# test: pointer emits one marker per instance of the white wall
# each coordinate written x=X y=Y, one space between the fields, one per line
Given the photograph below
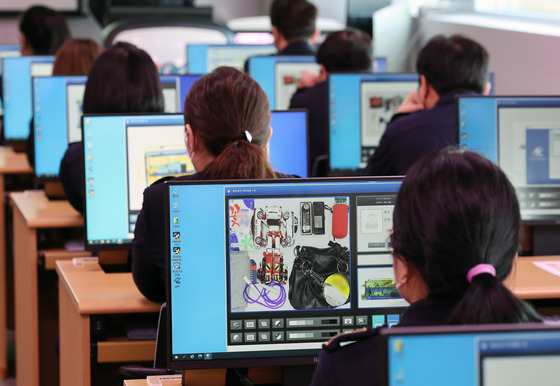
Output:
x=524 y=62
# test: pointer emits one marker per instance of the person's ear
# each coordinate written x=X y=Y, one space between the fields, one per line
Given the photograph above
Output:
x=313 y=39
x=190 y=140
x=487 y=89
x=323 y=75
x=401 y=270
x=423 y=90
x=24 y=47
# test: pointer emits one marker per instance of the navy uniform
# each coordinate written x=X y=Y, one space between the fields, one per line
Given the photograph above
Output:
x=410 y=137
x=355 y=358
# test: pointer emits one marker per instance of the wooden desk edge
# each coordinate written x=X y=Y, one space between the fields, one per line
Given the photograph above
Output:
x=138 y=305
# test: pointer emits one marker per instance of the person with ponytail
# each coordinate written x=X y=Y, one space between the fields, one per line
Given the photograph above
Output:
x=227 y=122
x=456 y=233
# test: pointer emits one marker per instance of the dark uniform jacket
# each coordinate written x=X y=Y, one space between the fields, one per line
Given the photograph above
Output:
x=410 y=137
x=360 y=361
x=72 y=175
x=316 y=100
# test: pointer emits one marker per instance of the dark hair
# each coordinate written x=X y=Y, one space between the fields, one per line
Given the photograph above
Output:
x=44 y=29
x=346 y=50
x=76 y=57
x=294 y=19
x=220 y=107
x=453 y=63
x=123 y=79
x=453 y=211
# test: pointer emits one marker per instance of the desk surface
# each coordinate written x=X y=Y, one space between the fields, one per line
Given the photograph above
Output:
x=527 y=281
x=12 y=162
x=40 y=212
x=93 y=291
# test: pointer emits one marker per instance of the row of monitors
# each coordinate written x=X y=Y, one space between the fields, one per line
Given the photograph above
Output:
x=57 y=112
x=203 y=58
x=123 y=154
x=254 y=310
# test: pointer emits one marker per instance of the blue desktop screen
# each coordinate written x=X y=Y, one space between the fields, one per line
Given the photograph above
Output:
x=123 y=155
x=360 y=106
x=8 y=50
x=203 y=58
x=57 y=106
x=16 y=93
x=522 y=135
x=232 y=248
x=512 y=358
x=288 y=147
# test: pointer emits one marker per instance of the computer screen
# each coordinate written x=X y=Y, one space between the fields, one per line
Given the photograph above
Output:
x=264 y=272
x=288 y=150
x=278 y=76
x=360 y=106
x=175 y=89
x=483 y=355
x=16 y=93
x=57 y=102
x=522 y=135
x=8 y=51
x=57 y=112
x=203 y=58
x=123 y=154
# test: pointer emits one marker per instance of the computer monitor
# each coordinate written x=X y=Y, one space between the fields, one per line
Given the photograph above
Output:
x=263 y=272
x=203 y=58
x=288 y=150
x=471 y=355
x=126 y=153
x=522 y=135
x=123 y=154
x=57 y=113
x=278 y=76
x=175 y=89
x=16 y=93
x=57 y=102
x=360 y=106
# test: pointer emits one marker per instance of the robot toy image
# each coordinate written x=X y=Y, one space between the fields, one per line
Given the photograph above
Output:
x=273 y=229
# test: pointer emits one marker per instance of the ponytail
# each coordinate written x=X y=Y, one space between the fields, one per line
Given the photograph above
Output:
x=241 y=159
x=487 y=301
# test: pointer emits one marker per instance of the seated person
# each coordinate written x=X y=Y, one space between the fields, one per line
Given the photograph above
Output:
x=293 y=26
x=448 y=66
x=42 y=31
x=347 y=50
x=225 y=145
x=123 y=79
x=456 y=233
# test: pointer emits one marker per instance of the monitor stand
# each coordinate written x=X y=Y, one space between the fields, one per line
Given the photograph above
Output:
x=546 y=240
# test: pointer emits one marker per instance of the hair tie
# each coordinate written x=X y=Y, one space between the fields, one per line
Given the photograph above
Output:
x=480 y=268
x=246 y=136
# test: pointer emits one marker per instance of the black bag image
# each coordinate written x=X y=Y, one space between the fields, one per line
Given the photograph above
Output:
x=319 y=277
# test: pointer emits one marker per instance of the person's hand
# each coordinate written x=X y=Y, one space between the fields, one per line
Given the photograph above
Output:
x=410 y=104
x=308 y=79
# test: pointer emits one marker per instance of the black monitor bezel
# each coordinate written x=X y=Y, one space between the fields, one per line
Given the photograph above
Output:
x=244 y=362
